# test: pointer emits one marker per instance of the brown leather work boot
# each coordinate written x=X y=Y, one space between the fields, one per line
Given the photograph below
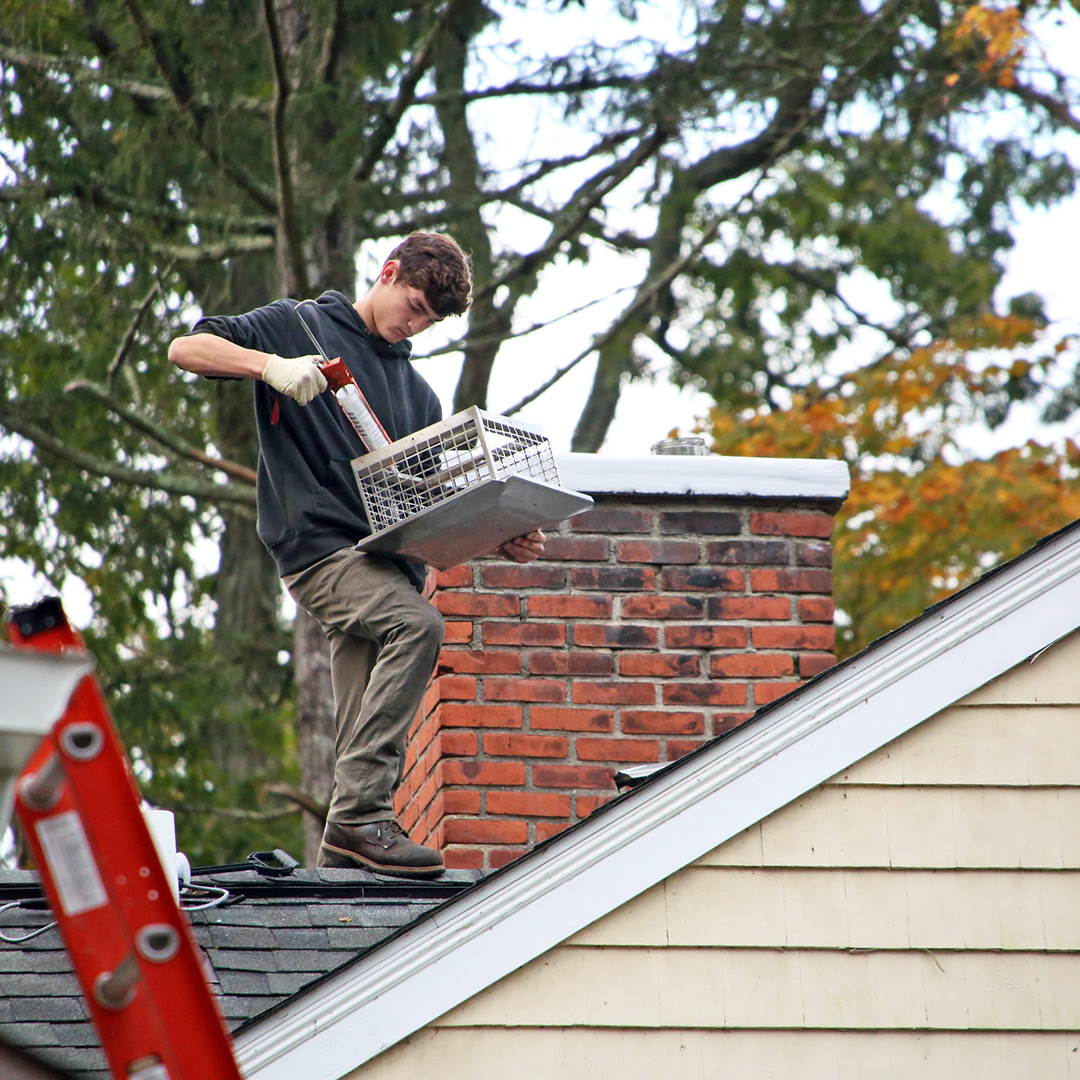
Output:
x=381 y=846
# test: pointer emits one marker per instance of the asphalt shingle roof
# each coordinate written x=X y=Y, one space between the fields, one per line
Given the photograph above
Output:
x=271 y=937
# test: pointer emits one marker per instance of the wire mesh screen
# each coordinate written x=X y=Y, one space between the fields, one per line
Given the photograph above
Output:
x=428 y=468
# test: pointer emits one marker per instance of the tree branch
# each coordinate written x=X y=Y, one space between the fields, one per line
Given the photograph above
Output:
x=578 y=208
x=302 y=799
x=12 y=420
x=121 y=353
x=290 y=249
x=391 y=117
x=202 y=253
x=168 y=63
x=642 y=299
x=167 y=439
x=1057 y=108
x=79 y=72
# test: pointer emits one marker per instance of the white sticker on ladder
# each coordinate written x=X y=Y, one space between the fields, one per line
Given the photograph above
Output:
x=71 y=863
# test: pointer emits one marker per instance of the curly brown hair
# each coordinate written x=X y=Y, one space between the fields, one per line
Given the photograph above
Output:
x=436 y=264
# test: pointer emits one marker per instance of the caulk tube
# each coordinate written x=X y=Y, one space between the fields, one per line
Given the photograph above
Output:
x=350 y=396
x=354 y=404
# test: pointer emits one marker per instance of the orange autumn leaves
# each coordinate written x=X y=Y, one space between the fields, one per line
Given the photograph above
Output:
x=925 y=516
x=1001 y=33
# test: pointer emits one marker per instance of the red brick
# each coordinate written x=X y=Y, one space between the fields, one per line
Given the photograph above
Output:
x=528 y=803
x=702 y=579
x=545 y=830
x=658 y=551
x=748 y=552
x=432 y=697
x=659 y=665
x=655 y=722
x=618 y=750
x=502 y=856
x=817 y=609
x=821 y=638
x=501 y=744
x=457 y=577
x=477 y=662
x=816 y=581
x=458 y=858
x=484 y=605
x=753 y=608
x=456 y=688
x=408 y=817
x=764 y=692
x=524 y=690
x=814 y=553
x=462 y=802
x=662 y=607
x=751 y=666
x=458 y=743
x=811 y=664
x=533 y=576
x=615 y=692
x=572 y=776
x=480 y=716
x=577 y=548
x=608 y=519
x=705 y=637
x=570 y=607
x=427 y=793
x=677 y=748
x=700 y=523
x=585 y=804
x=613 y=578
x=492 y=773
x=485 y=831
x=715 y=693
x=419 y=742
x=722 y=722
x=458 y=633
x=615 y=636
x=436 y=810
x=545 y=635
x=791 y=523
x=571 y=663
x=542 y=718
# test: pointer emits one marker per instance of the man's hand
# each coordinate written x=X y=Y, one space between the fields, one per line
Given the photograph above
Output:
x=296 y=376
x=523 y=549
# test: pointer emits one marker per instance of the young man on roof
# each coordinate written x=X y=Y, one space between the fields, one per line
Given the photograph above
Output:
x=384 y=636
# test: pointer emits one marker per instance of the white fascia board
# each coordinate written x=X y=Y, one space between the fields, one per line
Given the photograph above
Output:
x=736 y=477
x=814 y=733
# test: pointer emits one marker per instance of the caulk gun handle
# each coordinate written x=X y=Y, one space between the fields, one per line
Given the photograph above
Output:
x=336 y=373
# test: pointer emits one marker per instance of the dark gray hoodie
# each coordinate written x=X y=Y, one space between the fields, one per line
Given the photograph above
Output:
x=308 y=501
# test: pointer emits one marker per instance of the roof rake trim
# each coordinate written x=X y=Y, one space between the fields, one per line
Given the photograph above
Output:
x=786 y=750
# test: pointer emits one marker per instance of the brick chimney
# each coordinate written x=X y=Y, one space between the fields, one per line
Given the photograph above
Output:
x=695 y=590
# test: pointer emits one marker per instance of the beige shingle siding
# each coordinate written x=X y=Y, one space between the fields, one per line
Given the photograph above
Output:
x=915 y=916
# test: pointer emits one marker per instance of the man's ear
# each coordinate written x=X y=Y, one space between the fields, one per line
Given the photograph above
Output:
x=389 y=271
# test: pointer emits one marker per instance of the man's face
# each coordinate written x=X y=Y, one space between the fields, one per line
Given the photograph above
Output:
x=400 y=311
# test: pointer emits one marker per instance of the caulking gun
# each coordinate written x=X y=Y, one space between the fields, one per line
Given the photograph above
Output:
x=350 y=397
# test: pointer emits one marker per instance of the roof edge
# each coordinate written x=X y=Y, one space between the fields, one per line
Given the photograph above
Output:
x=796 y=744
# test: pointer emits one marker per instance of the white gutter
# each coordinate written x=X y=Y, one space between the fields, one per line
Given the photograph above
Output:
x=814 y=733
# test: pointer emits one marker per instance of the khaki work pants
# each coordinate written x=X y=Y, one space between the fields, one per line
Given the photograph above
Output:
x=384 y=641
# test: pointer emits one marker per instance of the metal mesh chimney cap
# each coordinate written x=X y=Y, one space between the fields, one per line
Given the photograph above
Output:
x=687 y=446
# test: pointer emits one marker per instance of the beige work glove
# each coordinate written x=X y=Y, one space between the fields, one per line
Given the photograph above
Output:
x=296 y=376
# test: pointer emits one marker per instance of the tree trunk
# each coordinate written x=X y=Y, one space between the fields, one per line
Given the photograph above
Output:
x=315 y=727
x=599 y=411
